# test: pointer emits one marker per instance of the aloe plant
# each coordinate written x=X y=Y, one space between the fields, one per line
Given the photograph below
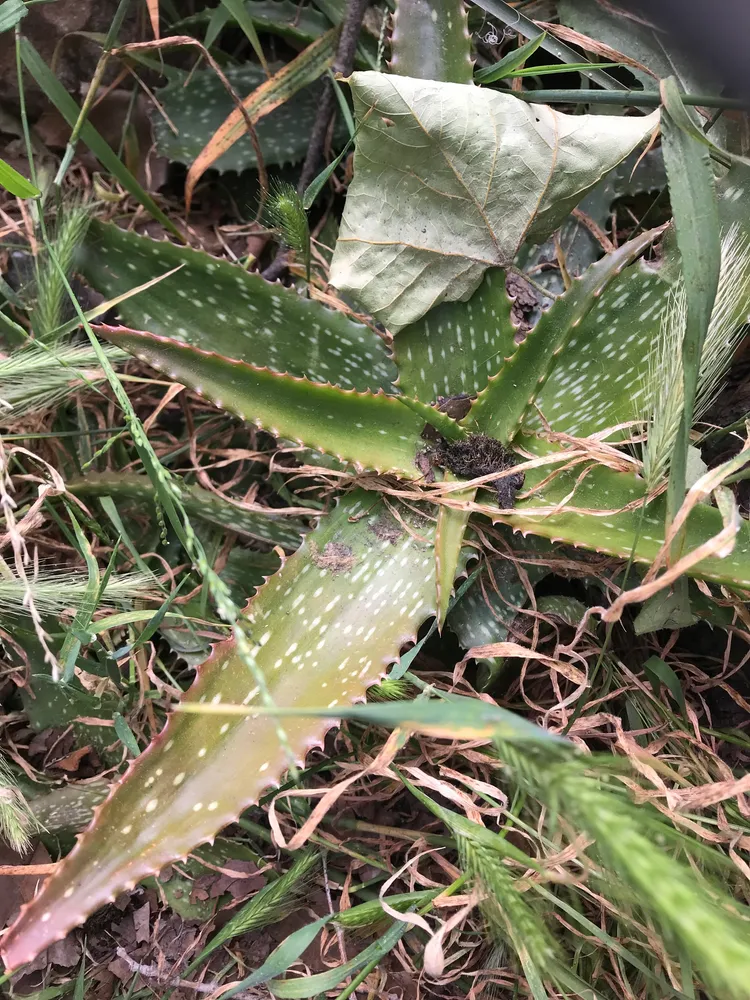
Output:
x=328 y=623
x=194 y=106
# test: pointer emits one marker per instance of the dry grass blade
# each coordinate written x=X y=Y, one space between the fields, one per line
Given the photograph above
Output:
x=566 y=34
x=310 y=64
x=153 y=13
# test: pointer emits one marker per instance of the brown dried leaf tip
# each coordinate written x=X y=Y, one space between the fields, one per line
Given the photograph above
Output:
x=479 y=455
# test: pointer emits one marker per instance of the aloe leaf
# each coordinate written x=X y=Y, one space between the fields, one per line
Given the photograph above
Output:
x=199 y=104
x=639 y=173
x=500 y=408
x=485 y=613
x=439 y=419
x=212 y=304
x=629 y=532
x=431 y=41
x=458 y=345
x=303 y=70
x=200 y=503
x=49 y=704
x=451 y=179
x=367 y=430
x=324 y=628
x=449 y=539
x=599 y=379
x=67 y=809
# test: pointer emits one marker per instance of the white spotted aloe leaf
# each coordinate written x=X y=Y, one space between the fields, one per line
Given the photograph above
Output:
x=457 y=346
x=193 y=106
x=262 y=524
x=368 y=430
x=583 y=366
x=600 y=523
x=215 y=305
x=323 y=629
x=501 y=406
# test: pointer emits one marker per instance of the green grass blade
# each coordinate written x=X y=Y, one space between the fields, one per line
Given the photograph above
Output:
x=237 y=9
x=450 y=717
x=526 y=27
x=273 y=902
x=313 y=986
x=72 y=645
x=282 y=957
x=14 y=182
x=696 y=219
x=11 y=12
x=632 y=98
x=505 y=66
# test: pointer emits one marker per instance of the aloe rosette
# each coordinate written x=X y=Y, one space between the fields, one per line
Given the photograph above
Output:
x=360 y=585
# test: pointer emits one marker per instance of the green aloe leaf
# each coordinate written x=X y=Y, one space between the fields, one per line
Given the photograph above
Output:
x=199 y=104
x=500 y=408
x=439 y=419
x=200 y=503
x=212 y=304
x=451 y=179
x=54 y=704
x=620 y=534
x=639 y=173
x=485 y=613
x=430 y=40
x=367 y=430
x=599 y=379
x=324 y=628
x=458 y=345
x=449 y=540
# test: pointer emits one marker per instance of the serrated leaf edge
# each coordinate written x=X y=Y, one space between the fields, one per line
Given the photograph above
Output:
x=322 y=726
x=146 y=336
x=198 y=252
